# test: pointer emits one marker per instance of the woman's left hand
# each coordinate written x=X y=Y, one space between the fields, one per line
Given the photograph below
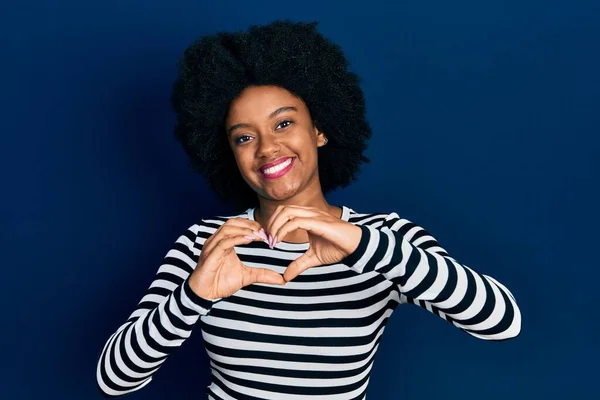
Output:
x=330 y=239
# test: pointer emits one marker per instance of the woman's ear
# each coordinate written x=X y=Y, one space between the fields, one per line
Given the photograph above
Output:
x=321 y=138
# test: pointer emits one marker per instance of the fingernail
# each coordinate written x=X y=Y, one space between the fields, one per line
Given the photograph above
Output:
x=275 y=241
x=262 y=234
x=250 y=237
x=271 y=242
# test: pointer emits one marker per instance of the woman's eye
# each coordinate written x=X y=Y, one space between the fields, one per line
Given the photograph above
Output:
x=242 y=139
x=284 y=124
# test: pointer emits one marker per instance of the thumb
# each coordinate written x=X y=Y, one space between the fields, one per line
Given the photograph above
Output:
x=299 y=265
x=264 y=275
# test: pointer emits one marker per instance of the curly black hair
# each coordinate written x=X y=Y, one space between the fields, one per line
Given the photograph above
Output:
x=293 y=55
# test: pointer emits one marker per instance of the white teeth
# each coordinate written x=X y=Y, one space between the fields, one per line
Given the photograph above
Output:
x=277 y=168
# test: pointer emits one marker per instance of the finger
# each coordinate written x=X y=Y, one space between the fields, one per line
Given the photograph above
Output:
x=300 y=265
x=243 y=223
x=229 y=230
x=281 y=211
x=313 y=225
x=255 y=226
x=275 y=214
x=263 y=275
x=222 y=247
x=289 y=213
x=227 y=244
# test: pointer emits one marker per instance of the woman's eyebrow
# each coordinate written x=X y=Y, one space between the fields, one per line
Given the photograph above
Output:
x=237 y=126
x=272 y=115
x=281 y=110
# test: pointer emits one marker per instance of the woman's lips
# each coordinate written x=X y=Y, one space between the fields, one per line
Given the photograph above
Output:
x=277 y=169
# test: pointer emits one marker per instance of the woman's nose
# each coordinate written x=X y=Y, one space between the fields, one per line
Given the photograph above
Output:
x=268 y=145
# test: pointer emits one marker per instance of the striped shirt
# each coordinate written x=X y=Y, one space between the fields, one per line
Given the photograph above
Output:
x=314 y=337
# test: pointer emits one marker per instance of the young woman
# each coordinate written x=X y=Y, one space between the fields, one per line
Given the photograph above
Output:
x=292 y=294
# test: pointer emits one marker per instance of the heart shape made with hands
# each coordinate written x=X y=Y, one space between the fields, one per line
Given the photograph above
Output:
x=220 y=273
x=330 y=239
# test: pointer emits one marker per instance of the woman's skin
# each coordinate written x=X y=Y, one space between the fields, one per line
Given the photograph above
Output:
x=269 y=126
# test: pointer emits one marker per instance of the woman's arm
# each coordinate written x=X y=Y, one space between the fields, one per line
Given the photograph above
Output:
x=162 y=321
x=427 y=276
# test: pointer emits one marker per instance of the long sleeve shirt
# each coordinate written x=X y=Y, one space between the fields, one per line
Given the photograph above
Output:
x=314 y=337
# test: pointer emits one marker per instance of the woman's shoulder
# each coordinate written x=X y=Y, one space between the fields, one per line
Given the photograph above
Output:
x=373 y=218
x=414 y=233
x=388 y=219
x=214 y=222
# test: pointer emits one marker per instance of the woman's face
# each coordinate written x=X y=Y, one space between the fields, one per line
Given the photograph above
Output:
x=274 y=142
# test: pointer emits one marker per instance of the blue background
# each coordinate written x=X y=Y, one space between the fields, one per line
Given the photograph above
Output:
x=486 y=118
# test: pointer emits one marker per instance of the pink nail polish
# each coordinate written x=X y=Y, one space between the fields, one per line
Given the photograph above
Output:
x=249 y=237
x=263 y=234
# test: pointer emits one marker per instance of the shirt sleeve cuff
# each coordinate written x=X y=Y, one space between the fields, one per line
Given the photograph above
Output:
x=191 y=300
x=356 y=260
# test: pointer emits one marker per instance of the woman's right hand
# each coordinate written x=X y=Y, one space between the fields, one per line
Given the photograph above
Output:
x=219 y=272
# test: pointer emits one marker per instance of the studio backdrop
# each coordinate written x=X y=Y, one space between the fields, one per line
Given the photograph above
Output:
x=486 y=123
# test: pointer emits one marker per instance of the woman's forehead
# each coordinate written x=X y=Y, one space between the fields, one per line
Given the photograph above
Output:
x=260 y=102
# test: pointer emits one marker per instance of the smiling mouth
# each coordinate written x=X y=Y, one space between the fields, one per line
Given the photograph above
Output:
x=277 y=169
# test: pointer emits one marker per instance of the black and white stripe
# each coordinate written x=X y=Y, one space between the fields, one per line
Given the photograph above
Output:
x=315 y=337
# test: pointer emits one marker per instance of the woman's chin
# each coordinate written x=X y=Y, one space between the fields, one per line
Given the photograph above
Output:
x=280 y=193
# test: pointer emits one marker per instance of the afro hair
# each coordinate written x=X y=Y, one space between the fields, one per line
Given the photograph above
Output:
x=293 y=55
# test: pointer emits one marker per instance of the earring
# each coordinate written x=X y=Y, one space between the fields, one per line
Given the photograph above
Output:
x=326 y=140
